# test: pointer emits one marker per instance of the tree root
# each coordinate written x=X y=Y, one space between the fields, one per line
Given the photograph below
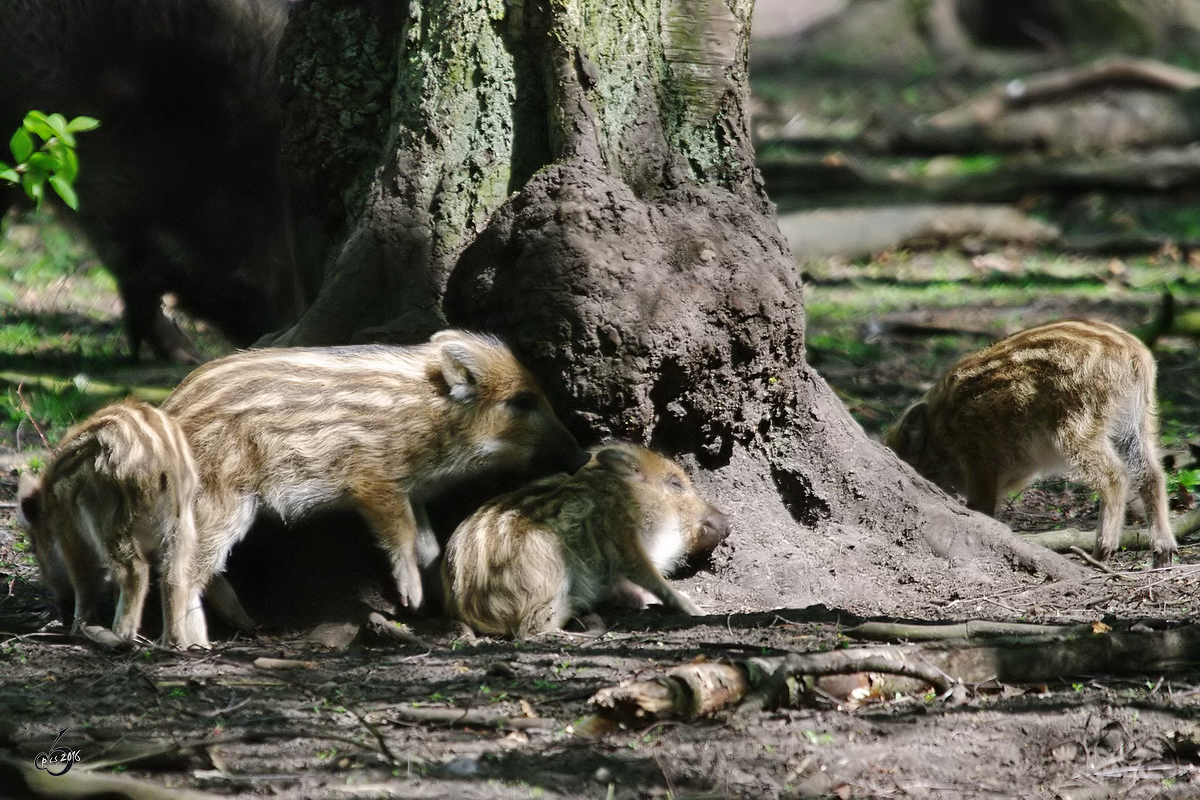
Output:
x=1132 y=538
x=25 y=781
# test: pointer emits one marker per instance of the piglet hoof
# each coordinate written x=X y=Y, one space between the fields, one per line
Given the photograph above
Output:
x=688 y=606
x=201 y=646
x=1101 y=553
x=1163 y=558
x=408 y=585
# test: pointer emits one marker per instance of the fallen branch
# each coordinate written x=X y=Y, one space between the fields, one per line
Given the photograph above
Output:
x=1057 y=84
x=1053 y=654
x=971 y=629
x=139 y=752
x=373 y=729
x=695 y=690
x=104 y=637
x=468 y=717
x=864 y=231
x=25 y=407
x=282 y=663
x=782 y=686
x=1100 y=565
x=396 y=631
x=691 y=690
x=1162 y=169
x=1109 y=105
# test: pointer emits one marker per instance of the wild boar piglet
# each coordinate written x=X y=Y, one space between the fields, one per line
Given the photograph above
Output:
x=375 y=428
x=116 y=497
x=1071 y=397
x=530 y=560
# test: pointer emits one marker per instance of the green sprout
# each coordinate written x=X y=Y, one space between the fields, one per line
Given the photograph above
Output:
x=44 y=149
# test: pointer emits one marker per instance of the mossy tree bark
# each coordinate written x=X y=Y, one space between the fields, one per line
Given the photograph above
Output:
x=577 y=176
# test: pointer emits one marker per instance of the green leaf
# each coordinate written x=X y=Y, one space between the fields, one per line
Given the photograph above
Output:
x=35 y=186
x=21 y=145
x=65 y=190
x=58 y=126
x=68 y=165
x=59 y=151
x=38 y=123
x=58 y=123
x=81 y=124
x=44 y=161
x=9 y=174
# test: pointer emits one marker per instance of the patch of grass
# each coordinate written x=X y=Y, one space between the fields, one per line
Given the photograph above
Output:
x=884 y=330
x=62 y=347
x=48 y=407
x=36 y=248
x=1095 y=213
x=1183 y=480
x=59 y=337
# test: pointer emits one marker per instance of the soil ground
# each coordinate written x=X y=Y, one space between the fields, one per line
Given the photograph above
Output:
x=299 y=712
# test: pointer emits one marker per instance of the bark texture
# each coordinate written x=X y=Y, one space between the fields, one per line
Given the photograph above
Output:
x=577 y=176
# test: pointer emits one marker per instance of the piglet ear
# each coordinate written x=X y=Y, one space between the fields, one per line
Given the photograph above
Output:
x=29 y=499
x=619 y=462
x=460 y=370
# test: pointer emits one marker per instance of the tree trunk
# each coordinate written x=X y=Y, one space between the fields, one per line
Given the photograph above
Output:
x=577 y=176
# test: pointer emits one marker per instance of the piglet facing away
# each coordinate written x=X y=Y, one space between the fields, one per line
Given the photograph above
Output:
x=1074 y=397
x=373 y=428
x=116 y=497
x=530 y=560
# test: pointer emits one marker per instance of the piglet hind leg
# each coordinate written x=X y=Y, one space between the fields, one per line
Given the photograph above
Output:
x=184 y=624
x=1154 y=496
x=133 y=580
x=1151 y=486
x=89 y=586
x=1100 y=467
x=224 y=600
x=982 y=486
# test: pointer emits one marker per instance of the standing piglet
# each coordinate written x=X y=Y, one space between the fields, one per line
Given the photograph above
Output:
x=532 y=559
x=375 y=428
x=116 y=497
x=1075 y=396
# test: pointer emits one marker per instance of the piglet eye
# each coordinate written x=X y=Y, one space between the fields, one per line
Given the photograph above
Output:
x=523 y=402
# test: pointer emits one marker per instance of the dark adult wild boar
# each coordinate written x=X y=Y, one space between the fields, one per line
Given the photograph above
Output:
x=179 y=188
x=376 y=428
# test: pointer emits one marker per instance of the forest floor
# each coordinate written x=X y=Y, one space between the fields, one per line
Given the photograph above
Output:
x=338 y=709
x=329 y=707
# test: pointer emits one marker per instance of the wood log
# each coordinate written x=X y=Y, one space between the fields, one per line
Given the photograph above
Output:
x=1051 y=654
